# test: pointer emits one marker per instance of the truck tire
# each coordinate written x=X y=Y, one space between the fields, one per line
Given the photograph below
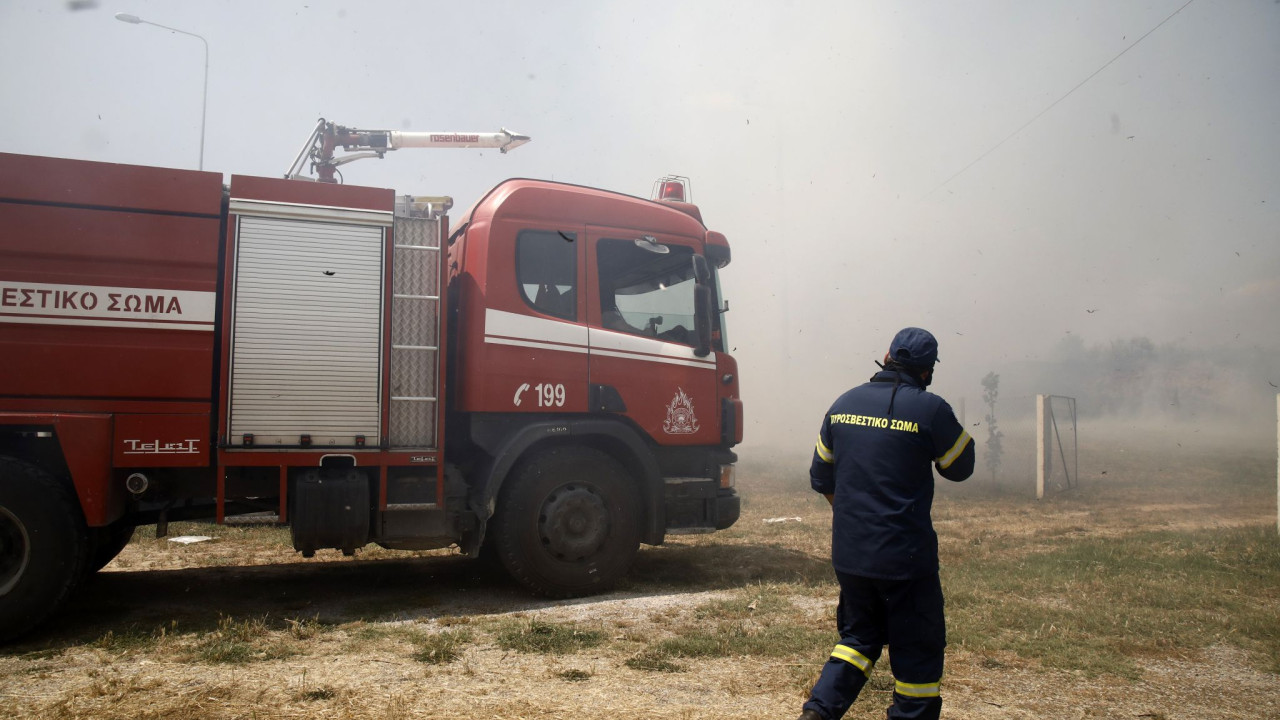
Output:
x=43 y=546
x=568 y=522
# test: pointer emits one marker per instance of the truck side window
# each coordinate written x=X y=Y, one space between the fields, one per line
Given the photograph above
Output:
x=547 y=271
x=647 y=293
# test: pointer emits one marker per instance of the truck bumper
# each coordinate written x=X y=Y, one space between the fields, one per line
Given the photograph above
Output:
x=700 y=508
x=728 y=508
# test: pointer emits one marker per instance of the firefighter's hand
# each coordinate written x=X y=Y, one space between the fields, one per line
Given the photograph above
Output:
x=831 y=498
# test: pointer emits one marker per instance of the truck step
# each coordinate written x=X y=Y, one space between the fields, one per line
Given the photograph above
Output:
x=405 y=507
x=257 y=518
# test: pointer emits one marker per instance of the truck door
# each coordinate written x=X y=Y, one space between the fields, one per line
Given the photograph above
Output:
x=534 y=354
x=642 y=337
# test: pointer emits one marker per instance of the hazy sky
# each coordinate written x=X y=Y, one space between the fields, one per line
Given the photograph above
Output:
x=818 y=136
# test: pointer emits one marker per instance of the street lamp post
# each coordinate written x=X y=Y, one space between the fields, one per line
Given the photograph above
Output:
x=204 y=103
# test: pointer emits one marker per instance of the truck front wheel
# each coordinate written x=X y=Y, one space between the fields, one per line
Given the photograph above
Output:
x=568 y=522
x=43 y=543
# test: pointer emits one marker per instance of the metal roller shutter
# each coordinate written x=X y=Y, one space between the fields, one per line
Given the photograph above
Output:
x=306 y=332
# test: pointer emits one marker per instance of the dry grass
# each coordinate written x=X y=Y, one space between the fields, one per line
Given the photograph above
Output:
x=1152 y=591
x=548 y=638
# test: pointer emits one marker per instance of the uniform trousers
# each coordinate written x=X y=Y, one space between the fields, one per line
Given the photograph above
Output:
x=906 y=615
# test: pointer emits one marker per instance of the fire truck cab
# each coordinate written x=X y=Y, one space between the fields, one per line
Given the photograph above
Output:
x=590 y=328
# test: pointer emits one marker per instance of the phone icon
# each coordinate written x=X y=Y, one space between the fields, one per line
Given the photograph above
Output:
x=519 y=392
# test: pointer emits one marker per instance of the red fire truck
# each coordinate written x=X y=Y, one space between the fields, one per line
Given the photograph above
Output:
x=547 y=380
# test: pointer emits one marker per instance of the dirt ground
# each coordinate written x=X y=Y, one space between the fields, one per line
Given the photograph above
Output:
x=338 y=637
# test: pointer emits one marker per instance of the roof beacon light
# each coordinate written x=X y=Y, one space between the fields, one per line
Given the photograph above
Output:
x=674 y=188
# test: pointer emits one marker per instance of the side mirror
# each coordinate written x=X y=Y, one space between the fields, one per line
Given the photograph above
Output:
x=702 y=306
x=701 y=271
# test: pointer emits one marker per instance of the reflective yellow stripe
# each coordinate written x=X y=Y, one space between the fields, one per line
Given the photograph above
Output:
x=854 y=658
x=945 y=461
x=918 y=690
x=823 y=451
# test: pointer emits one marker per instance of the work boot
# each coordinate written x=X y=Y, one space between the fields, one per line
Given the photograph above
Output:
x=810 y=715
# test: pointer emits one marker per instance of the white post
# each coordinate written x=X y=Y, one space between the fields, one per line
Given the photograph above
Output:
x=1278 y=463
x=1042 y=452
x=962 y=420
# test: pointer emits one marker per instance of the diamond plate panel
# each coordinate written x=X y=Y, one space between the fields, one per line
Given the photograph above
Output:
x=413 y=373
x=422 y=232
x=417 y=272
x=413 y=424
x=415 y=322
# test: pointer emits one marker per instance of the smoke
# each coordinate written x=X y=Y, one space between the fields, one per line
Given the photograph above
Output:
x=1138 y=218
x=1137 y=378
x=1153 y=393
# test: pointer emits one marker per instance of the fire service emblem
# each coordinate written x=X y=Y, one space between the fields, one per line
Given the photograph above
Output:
x=680 y=418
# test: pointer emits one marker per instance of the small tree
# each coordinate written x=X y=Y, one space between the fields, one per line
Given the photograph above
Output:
x=990 y=389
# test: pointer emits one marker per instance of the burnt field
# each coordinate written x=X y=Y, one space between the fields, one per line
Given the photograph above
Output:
x=1152 y=590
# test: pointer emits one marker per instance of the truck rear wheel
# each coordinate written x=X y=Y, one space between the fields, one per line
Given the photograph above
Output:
x=43 y=544
x=568 y=522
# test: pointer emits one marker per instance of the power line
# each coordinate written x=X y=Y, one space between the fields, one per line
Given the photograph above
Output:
x=1053 y=104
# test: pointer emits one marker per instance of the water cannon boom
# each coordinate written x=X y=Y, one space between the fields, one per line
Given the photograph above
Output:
x=327 y=137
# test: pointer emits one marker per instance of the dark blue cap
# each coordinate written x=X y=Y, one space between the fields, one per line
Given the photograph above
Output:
x=914 y=347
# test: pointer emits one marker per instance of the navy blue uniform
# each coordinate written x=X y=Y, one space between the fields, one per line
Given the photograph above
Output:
x=875 y=453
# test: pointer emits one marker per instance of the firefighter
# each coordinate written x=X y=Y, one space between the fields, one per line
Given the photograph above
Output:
x=872 y=462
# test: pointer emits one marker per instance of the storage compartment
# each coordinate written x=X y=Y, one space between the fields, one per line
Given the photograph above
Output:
x=306 y=339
